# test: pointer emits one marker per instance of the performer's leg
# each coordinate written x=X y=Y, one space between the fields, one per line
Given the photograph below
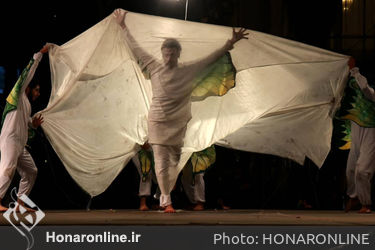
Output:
x=365 y=169
x=199 y=192
x=187 y=181
x=144 y=185
x=8 y=165
x=351 y=164
x=194 y=191
x=351 y=182
x=156 y=195
x=28 y=172
x=165 y=157
x=364 y=175
x=351 y=169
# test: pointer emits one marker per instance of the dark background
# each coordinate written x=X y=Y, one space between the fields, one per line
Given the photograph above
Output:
x=241 y=179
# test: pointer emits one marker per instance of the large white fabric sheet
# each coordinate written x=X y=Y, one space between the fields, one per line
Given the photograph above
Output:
x=282 y=104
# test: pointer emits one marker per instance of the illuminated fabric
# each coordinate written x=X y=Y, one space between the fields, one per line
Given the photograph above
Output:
x=282 y=103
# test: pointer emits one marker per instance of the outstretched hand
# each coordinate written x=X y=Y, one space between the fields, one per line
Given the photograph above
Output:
x=45 y=48
x=119 y=16
x=351 y=62
x=238 y=35
x=37 y=121
x=146 y=146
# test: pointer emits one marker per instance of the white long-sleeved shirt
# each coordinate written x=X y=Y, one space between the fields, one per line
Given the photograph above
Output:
x=16 y=123
x=170 y=109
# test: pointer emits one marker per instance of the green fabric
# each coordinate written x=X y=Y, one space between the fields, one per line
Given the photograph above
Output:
x=354 y=107
x=341 y=134
x=202 y=160
x=146 y=160
x=215 y=80
x=13 y=97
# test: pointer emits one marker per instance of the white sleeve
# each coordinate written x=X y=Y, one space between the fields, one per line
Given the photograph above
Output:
x=37 y=57
x=144 y=59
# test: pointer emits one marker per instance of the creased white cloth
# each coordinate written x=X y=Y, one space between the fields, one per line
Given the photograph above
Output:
x=282 y=103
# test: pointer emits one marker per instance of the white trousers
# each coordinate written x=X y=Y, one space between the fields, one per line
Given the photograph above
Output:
x=361 y=163
x=165 y=158
x=12 y=159
x=145 y=186
x=196 y=192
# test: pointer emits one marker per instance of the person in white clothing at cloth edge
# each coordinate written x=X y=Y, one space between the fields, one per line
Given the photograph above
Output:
x=170 y=109
x=14 y=132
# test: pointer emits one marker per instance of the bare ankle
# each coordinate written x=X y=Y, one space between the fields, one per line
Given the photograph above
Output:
x=199 y=206
x=169 y=209
x=365 y=209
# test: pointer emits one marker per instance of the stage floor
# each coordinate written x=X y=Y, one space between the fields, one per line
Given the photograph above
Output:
x=207 y=217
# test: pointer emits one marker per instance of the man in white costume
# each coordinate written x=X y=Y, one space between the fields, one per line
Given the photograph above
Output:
x=193 y=184
x=194 y=190
x=14 y=132
x=360 y=166
x=145 y=182
x=170 y=110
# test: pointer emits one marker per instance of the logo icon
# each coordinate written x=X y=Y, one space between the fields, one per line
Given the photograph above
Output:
x=17 y=214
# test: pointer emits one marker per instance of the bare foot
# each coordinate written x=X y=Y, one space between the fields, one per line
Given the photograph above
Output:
x=221 y=204
x=225 y=207
x=169 y=209
x=199 y=206
x=143 y=205
x=144 y=208
x=3 y=209
x=351 y=204
x=365 y=210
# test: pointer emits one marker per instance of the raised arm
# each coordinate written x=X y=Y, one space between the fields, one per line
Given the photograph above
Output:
x=145 y=60
x=37 y=58
x=236 y=36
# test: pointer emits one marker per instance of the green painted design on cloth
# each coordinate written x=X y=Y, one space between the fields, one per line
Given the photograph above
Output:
x=13 y=97
x=354 y=107
x=146 y=159
x=215 y=80
x=202 y=160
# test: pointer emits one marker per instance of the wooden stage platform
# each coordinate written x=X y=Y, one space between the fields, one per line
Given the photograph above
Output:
x=207 y=217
